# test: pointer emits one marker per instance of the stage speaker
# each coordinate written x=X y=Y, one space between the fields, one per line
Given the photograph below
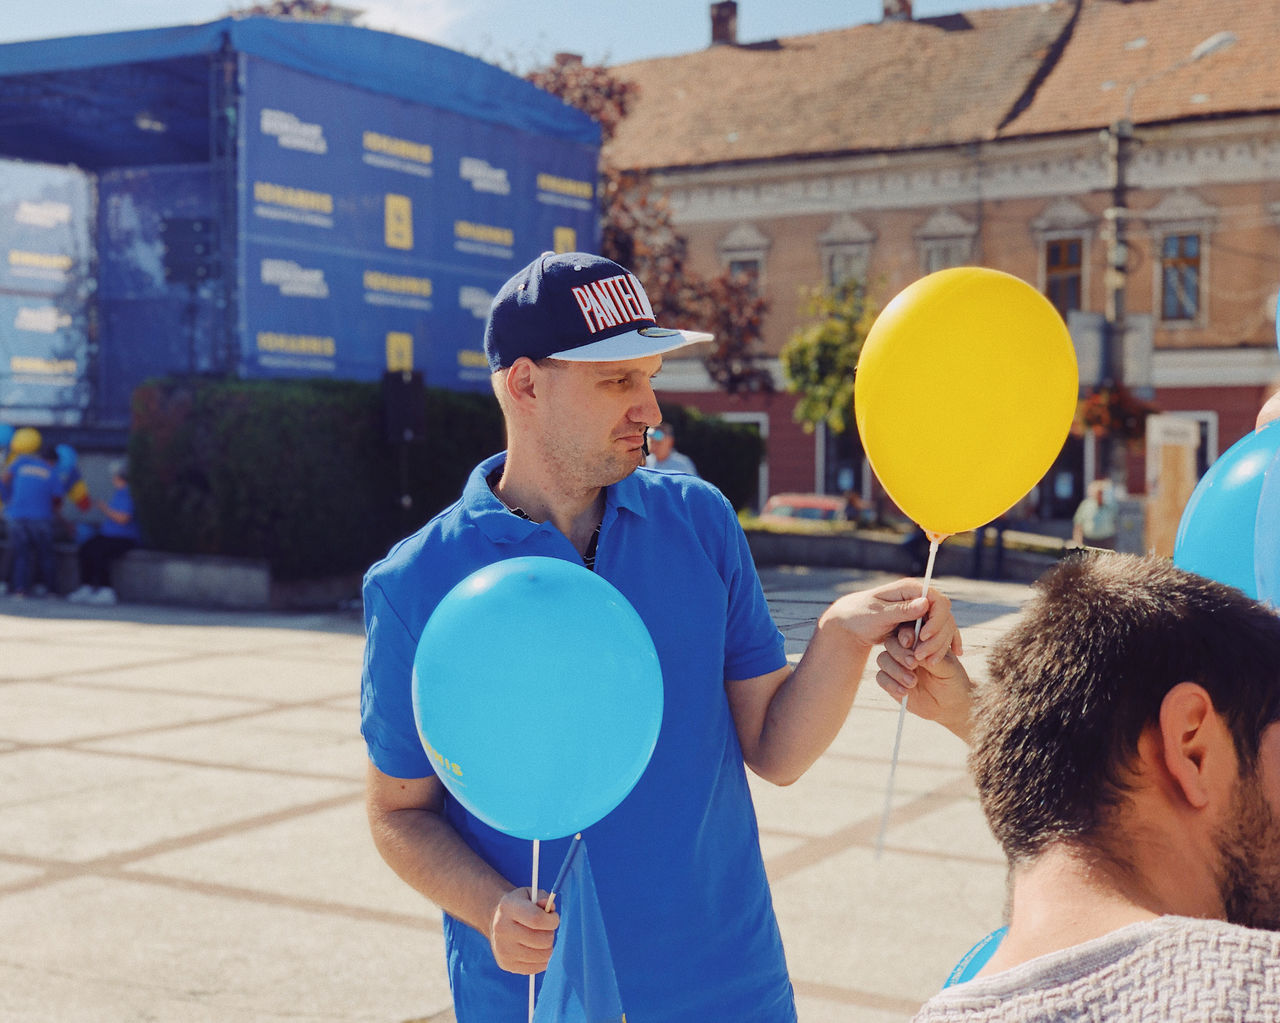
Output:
x=189 y=250
x=404 y=400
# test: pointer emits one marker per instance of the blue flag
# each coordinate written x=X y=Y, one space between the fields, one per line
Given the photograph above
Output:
x=580 y=985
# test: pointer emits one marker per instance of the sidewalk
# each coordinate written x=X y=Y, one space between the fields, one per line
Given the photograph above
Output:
x=182 y=836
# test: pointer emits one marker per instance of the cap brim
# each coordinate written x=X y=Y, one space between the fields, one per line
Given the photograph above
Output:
x=634 y=344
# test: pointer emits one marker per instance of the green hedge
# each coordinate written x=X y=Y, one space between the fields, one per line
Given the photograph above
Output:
x=727 y=454
x=301 y=473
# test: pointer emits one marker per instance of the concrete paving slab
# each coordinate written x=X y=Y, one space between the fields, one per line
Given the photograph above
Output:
x=344 y=873
x=82 y=806
x=317 y=741
x=99 y=949
x=279 y=677
x=182 y=835
x=61 y=711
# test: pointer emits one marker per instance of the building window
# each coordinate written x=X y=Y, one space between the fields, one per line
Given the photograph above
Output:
x=1180 y=277
x=843 y=265
x=742 y=253
x=1064 y=273
x=945 y=240
x=845 y=249
x=1062 y=232
x=747 y=268
x=1181 y=225
x=944 y=253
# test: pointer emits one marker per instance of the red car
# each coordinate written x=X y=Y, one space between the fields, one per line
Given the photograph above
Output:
x=812 y=507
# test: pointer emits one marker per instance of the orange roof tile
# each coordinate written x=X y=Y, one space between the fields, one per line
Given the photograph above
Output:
x=1004 y=72
x=876 y=87
x=1143 y=48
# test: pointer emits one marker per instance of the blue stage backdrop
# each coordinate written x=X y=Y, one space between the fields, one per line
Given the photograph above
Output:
x=44 y=285
x=263 y=197
x=156 y=317
x=375 y=231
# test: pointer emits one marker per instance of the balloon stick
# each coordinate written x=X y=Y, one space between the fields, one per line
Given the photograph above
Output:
x=934 y=541
x=533 y=897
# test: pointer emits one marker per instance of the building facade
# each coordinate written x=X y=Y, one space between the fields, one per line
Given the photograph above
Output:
x=1015 y=138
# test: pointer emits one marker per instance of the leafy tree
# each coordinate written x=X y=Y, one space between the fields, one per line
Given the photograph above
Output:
x=301 y=10
x=638 y=233
x=819 y=360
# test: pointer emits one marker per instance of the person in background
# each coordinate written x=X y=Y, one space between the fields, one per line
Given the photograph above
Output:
x=116 y=536
x=30 y=486
x=1097 y=516
x=1126 y=751
x=663 y=455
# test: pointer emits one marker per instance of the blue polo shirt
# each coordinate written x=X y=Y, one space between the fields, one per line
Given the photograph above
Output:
x=677 y=865
x=33 y=486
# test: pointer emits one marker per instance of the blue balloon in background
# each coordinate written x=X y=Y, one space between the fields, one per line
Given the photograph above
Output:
x=66 y=457
x=6 y=435
x=1266 y=536
x=1215 y=536
x=538 y=696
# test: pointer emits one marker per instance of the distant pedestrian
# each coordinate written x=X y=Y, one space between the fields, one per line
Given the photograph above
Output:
x=30 y=486
x=663 y=455
x=1097 y=517
x=117 y=535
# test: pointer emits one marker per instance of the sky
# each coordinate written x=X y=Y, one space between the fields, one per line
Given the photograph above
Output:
x=515 y=34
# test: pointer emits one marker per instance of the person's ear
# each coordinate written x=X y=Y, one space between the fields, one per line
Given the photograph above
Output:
x=1198 y=751
x=519 y=382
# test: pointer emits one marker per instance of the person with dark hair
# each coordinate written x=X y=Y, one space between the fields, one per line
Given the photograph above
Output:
x=573 y=350
x=116 y=536
x=30 y=486
x=1126 y=750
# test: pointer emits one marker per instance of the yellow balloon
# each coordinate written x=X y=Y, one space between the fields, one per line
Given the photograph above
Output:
x=964 y=394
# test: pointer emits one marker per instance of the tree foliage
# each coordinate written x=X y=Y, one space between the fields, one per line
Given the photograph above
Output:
x=637 y=232
x=819 y=360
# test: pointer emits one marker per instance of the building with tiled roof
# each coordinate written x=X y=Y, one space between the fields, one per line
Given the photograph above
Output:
x=892 y=149
x=837 y=93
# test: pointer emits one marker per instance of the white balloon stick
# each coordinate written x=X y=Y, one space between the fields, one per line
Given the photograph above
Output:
x=533 y=897
x=934 y=541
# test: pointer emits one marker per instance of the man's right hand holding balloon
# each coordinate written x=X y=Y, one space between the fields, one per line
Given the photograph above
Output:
x=938 y=689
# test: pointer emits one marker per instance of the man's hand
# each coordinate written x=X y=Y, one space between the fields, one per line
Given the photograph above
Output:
x=522 y=932
x=874 y=616
x=936 y=689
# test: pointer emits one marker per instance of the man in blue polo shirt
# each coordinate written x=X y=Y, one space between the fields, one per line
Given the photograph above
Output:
x=574 y=348
x=29 y=486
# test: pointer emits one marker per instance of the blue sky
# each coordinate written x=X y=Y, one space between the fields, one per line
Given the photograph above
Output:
x=516 y=34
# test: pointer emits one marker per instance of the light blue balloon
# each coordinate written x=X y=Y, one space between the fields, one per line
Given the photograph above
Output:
x=538 y=696
x=1215 y=536
x=6 y=435
x=1266 y=536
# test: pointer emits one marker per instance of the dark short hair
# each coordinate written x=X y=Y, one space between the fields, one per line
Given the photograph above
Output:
x=1084 y=672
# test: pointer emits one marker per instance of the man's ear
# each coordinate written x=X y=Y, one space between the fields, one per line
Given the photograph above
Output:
x=1198 y=752
x=520 y=379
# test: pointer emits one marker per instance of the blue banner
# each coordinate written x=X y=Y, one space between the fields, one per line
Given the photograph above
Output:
x=45 y=254
x=43 y=346
x=375 y=231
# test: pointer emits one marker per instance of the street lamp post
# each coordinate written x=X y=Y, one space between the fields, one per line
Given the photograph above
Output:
x=1120 y=140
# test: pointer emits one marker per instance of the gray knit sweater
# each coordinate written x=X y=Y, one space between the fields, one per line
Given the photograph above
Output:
x=1171 y=970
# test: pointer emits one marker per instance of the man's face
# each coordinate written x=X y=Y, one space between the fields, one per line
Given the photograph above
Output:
x=593 y=417
x=1249 y=843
